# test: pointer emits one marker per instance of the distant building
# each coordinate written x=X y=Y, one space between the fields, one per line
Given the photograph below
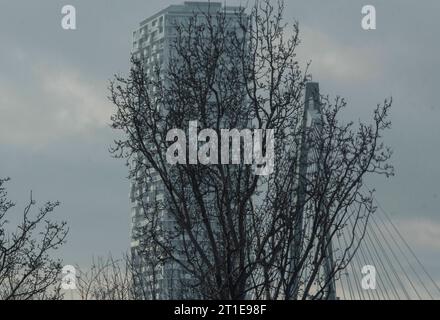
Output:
x=152 y=45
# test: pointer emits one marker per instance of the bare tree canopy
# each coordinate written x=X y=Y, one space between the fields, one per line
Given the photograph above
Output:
x=28 y=270
x=107 y=279
x=232 y=233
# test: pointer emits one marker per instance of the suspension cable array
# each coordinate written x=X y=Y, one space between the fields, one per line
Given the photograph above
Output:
x=399 y=273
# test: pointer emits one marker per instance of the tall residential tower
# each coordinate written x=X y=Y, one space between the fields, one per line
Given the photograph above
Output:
x=152 y=46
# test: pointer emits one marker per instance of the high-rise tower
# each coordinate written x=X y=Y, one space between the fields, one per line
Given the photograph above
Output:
x=152 y=43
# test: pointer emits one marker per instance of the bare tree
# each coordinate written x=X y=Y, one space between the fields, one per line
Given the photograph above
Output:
x=27 y=269
x=236 y=233
x=107 y=279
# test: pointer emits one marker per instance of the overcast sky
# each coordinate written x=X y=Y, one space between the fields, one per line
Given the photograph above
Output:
x=54 y=115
